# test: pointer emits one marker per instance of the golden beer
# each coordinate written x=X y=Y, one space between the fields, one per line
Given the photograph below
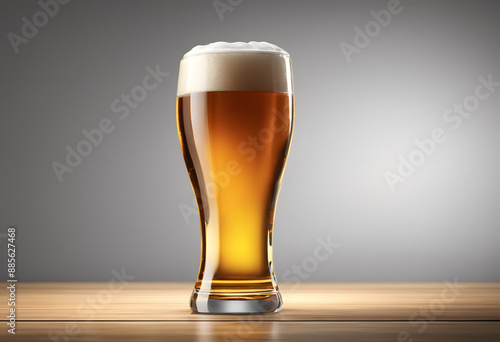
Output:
x=235 y=122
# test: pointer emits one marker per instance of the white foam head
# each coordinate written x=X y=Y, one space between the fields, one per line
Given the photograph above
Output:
x=221 y=66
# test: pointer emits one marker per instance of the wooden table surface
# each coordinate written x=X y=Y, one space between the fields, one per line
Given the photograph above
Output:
x=159 y=311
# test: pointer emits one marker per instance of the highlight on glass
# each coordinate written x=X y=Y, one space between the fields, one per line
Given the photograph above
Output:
x=235 y=113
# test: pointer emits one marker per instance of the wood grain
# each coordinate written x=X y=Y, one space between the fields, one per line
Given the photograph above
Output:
x=83 y=301
x=210 y=331
x=158 y=311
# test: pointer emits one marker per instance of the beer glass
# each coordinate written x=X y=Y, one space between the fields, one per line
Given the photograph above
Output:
x=235 y=112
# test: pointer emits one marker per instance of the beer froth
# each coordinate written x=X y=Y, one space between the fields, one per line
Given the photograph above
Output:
x=221 y=66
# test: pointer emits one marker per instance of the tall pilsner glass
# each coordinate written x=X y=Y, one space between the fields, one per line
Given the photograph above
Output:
x=235 y=112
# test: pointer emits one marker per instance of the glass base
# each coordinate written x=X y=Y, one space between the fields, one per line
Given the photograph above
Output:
x=231 y=304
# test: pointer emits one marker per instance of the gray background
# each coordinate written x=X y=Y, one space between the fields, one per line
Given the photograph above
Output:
x=120 y=206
